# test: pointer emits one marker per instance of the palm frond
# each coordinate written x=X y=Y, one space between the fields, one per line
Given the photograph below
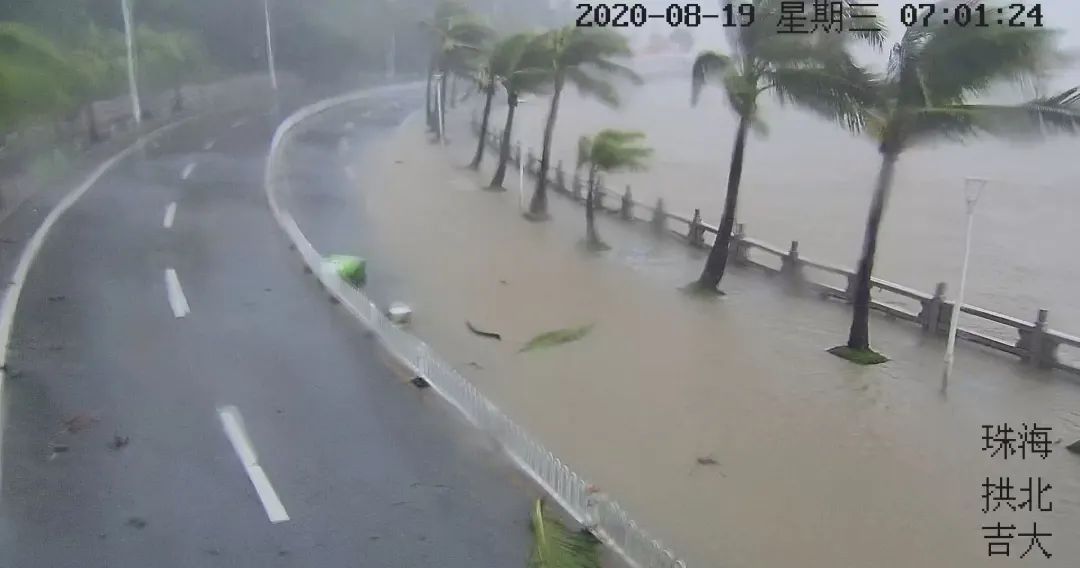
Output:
x=1036 y=119
x=955 y=62
x=595 y=87
x=841 y=99
x=613 y=150
x=708 y=65
x=616 y=70
x=557 y=547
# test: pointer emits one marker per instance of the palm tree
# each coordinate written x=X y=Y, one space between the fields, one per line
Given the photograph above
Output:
x=458 y=36
x=497 y=66
x=608 y=151
x=812 y=71
x=934 y=72
x=517 y=78
x=583 y=57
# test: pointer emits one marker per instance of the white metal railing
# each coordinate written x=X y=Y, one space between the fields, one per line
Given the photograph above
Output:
x=601 y=515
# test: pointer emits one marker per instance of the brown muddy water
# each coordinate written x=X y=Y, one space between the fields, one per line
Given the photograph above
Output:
x=818 y=463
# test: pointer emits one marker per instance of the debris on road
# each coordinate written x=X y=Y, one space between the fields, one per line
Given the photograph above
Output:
x=352 y=269
x=707 y=460
x=557 y=337
x=57 y=298
x=399 y=313
x=482 y=333
x=420 y=383
x=78 y=423
x=119 y=442
x=136 y=522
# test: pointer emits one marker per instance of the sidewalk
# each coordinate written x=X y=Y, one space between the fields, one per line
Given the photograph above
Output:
x=819 y=463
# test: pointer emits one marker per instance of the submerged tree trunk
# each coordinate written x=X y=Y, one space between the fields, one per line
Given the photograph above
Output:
x=92 y=128
x=538 y=205
x=859 y=335
x=427 y=98
x=504 y=145
x=441 y=111
x=490 y=95
x=592 y=237
x=718 y=256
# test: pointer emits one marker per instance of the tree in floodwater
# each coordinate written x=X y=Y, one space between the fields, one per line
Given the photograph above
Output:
x=517 y=78
x=584 y=57
x=812 y=71
x=607 y=151
x=498 y=65
x=457 y=35
x=934 y=73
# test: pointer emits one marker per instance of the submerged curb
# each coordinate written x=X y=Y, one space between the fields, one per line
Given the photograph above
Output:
x=602 y=516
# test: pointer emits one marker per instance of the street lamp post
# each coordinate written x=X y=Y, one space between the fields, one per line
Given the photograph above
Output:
x=972 y=188
x=439 y=108
x=133 y=84
x=270 y=46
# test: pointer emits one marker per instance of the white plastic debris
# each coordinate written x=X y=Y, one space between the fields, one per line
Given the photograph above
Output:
x=399 y=313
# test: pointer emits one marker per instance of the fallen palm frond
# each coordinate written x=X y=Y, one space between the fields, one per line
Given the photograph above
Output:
x=557 y=337
x=559 y=547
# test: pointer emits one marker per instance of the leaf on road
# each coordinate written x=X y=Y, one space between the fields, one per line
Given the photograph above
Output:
x=556 y=546
x=482 y=333
x=557 y=337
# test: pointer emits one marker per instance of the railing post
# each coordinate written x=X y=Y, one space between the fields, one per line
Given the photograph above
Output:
x=930 y=317
x=659 y=220
x=738 y=249
x=627 y=209
x=1040 y=350
x=790 y=266
x=696 y=234
x=560 y=178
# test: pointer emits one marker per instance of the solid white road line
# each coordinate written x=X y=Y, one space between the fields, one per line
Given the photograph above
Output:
x=209 y=145
x=233 y=424
x=170 y=215
x=177 y=301
x=187 y=171
x=33 y=247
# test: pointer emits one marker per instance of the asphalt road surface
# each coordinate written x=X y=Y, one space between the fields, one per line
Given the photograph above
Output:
x=180 y=393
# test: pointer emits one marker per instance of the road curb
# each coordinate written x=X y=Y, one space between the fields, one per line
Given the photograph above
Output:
x=602 y=516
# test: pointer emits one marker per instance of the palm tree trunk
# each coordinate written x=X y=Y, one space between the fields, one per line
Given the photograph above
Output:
x=859 y=335
x=591 y=236
x=441 y=118
x=484 y=126
x=504 y=146
x=92 y=123
x=427 y=99
x=718 y=256
x=538 y=205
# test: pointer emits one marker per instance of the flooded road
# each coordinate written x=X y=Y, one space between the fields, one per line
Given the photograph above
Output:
x=818 y=463
x=811 y=181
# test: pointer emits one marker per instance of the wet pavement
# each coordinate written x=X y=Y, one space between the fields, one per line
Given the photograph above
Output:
x=116 y=451
x=817 y=462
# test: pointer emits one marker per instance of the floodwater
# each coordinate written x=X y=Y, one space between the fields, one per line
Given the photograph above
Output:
x=811 y=181
x=818 y=463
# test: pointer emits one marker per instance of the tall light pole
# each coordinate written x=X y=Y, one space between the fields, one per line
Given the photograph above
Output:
x=972 y=188
x=521 y=163
x=270 y=46
x=439 y=108
x=133 y=84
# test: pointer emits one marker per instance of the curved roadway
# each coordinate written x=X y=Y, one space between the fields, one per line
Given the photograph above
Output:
x=230 y=415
